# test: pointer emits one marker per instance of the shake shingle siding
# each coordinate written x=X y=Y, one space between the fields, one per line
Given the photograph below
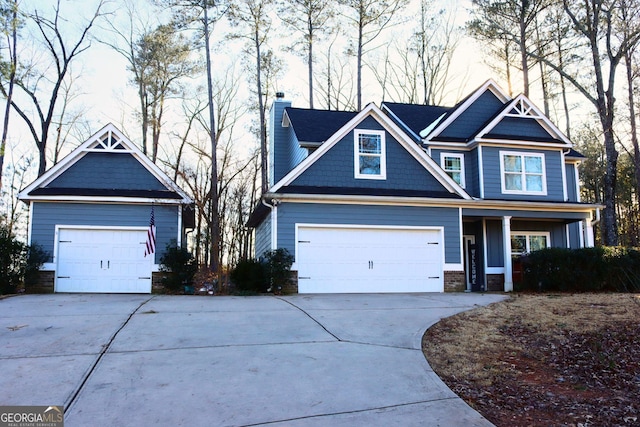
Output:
x=109 y=170
x=336 y=169
x=472 y=119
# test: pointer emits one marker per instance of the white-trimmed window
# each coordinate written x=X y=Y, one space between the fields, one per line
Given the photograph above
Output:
x=523 y=173
x=523 y=242
x=453 y=165
x=370 y=154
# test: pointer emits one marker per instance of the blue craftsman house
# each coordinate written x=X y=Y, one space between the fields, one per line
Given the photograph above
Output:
x=419 y=198
x=91 y=213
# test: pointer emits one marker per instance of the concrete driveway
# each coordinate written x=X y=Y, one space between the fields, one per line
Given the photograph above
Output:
x=303 y=360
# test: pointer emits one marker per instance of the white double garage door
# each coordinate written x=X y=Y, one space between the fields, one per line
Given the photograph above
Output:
x=359 y=259
x=102 y=260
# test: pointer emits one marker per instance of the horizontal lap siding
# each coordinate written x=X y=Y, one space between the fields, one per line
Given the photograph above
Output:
x=263 y=236
x=492 y=177
x=47 y=215
x=310 y=213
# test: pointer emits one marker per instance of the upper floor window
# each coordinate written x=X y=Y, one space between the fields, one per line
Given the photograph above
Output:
x=453 y=165
x=523 y=173
x=370 y=154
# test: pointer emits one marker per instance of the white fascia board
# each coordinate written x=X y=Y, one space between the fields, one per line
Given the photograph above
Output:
x=390 y=126
x=406 y=128
x=517 y=143
x=439 y=202
x=540 y=118
x=98 y=199
x=488 y=85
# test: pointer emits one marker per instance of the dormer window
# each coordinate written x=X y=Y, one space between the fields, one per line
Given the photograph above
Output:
x=370 y=154
x=453 y=165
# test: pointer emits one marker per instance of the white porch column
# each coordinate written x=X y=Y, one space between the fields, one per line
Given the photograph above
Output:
x=508 y=269
x=588 y=234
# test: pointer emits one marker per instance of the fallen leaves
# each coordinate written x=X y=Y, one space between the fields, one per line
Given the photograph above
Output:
x=544 y=359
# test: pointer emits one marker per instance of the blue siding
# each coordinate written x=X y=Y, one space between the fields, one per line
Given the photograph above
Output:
x=522 y=128
x=572 y=186
x=492 y=178
x=474 y=117
x=574 y=235
x=336 y=167
x=109 y=170
x=283 y=144
x=291 y=213
x=263 y=237
x=47 y=215
x=470 y=168
x=495 y=245
x=473 y=174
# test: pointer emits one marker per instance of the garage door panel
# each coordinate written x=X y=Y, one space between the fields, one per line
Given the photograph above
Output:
x=102 y=261
x=368 y=260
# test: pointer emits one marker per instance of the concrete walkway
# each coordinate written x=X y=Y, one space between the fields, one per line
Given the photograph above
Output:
x=304 y=360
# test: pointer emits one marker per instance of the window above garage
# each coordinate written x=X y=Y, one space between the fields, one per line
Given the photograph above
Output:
x=370 y=154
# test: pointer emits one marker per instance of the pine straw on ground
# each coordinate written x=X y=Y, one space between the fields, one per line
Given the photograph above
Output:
x=544 y=360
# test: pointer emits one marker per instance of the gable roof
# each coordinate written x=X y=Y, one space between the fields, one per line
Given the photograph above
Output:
x=489 y=87
x=100 y=148
x=313 y=127
x=524 y=114
x=390 y=126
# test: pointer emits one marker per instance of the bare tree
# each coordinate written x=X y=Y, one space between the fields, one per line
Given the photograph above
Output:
x=31 y=81
x=513 y=20
x=370 y=18
x=310 y=18
x=205 y=13
x=417 y=71
x=597 y=23
x=253 y=16
x=10 y=24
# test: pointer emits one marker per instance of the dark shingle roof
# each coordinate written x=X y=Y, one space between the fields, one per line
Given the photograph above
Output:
x=416 y=117
x=316 y=125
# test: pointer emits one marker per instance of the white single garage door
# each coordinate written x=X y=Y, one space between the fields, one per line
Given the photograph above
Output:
x=102 y=260
x=369 y=259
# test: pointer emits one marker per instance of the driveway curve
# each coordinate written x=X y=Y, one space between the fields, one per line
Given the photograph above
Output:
x=301 y=360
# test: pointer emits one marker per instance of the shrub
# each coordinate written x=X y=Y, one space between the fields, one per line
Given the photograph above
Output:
x=270 y=274
x=181 y=265
x=599 y=269
x=250 y=276
x=278 y=263
x=19 y=263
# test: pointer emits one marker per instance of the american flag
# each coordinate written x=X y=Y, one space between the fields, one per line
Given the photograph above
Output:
x=150 y=245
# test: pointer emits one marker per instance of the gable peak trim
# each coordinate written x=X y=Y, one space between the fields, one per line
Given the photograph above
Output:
x=111 y=139
x=522 y=107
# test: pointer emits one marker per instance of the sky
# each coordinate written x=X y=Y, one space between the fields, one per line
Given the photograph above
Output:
x=104 y=93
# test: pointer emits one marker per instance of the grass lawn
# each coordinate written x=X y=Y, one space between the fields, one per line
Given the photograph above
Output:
x=544 y=359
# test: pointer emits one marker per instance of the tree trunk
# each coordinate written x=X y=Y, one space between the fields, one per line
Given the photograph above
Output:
x=214 y=239
x=632 y=121
x=263 y=130
x=12 y=75
x=310 y=61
